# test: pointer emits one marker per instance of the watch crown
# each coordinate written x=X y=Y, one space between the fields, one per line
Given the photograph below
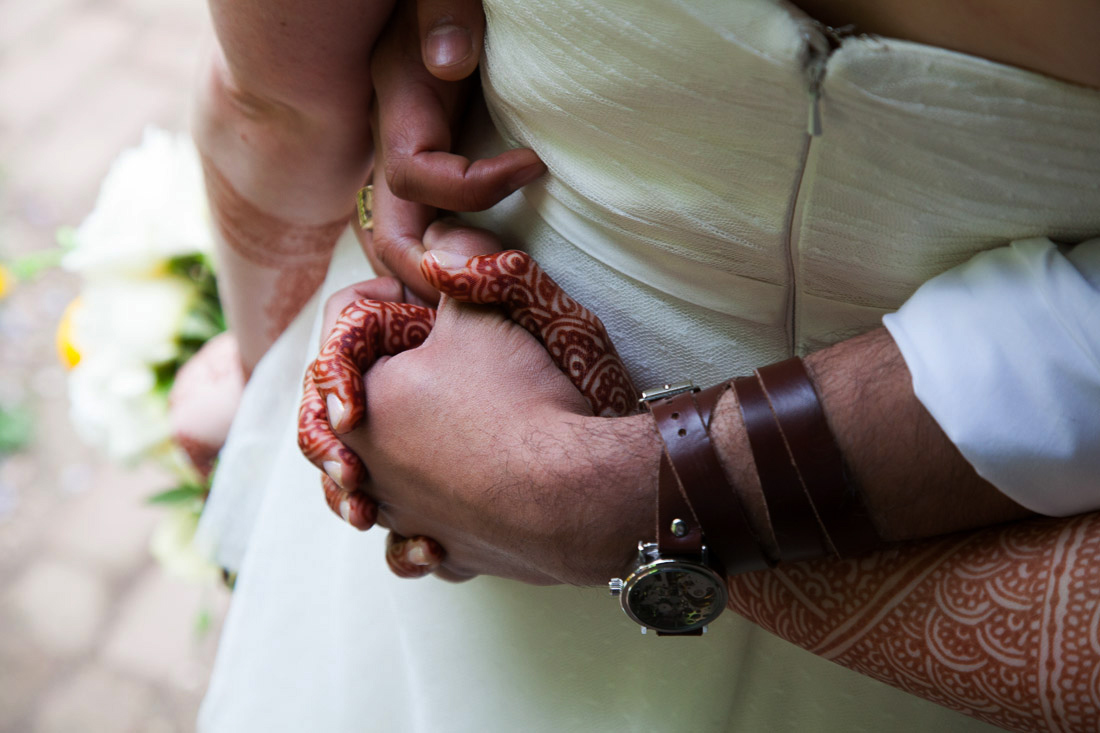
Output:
x=615 y=585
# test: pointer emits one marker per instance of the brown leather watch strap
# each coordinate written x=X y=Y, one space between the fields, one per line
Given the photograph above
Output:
x=798 y=532
x=726 y=530
x=706 y=400
x=673 y=515
x=816 y=457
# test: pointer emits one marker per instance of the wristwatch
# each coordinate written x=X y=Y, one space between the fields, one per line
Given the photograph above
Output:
x=671 y=595
x=672 y=589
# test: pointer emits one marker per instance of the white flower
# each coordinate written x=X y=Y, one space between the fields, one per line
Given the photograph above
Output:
x=122 y=329
x=137 y=319
x=151 y=208
x=113 y=406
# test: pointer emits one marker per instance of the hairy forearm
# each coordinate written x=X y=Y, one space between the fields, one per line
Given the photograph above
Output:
x=998 y=623
x=914 y=482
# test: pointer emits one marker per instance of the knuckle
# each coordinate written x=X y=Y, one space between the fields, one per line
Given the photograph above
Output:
x=392 y=250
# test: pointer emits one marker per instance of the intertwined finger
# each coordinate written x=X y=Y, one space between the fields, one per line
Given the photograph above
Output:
x=416 y=112
x=343 y=471
x=412 y=557
x=365 y=330
x=333 y=397
x=573 y=335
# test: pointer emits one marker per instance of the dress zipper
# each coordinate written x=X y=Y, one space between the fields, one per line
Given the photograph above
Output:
x=819 y=47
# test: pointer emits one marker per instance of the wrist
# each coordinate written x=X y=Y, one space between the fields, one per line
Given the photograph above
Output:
x=618 y=476
x=731 y=443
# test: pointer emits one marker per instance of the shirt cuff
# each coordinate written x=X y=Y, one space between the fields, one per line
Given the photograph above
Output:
x=1005 y=354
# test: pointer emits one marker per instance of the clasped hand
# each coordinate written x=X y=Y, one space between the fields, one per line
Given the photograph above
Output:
x=482 y=425
x=475 y=426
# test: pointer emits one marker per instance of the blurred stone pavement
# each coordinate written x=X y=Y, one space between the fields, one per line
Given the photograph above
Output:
x=93 y=635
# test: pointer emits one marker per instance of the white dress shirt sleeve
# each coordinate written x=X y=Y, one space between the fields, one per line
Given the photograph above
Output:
x=1005 y=354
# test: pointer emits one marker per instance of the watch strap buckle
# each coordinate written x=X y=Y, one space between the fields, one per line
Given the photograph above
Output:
x=665 y=390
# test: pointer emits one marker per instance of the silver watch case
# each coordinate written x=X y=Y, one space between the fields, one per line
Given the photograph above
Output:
x=670 y=595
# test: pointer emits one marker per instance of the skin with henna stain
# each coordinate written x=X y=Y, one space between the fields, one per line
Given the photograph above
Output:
x=999 y=624
x=334 y=401
x=286 y=262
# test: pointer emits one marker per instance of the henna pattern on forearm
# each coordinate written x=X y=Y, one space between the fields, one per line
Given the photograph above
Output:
x=298 y=253
x=1001 y=624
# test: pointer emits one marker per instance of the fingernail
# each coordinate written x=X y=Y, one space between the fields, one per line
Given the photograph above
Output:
x=345 y=510
x=335 y=472
x=526 y=175
x=448 y=45
x=448 y=260
x=418 y=556
x=335 y=411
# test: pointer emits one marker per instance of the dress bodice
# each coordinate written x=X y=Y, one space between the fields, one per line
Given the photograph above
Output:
x=733 y=156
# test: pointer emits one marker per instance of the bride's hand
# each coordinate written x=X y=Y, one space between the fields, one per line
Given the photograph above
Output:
x=377 y=304
x=479 y=439
x=204 y=399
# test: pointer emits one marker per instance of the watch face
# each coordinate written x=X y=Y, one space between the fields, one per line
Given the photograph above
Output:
x=674 y=596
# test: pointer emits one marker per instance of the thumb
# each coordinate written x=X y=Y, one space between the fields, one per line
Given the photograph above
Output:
x=451 y=35
x=460 y=239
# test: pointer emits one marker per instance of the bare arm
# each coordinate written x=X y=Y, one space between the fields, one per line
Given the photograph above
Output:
x=998 y=623
x=913 y=479
x=283 y=126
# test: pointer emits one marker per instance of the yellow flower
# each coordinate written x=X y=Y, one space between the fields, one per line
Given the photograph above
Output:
x=7 y=281
x=66 y=350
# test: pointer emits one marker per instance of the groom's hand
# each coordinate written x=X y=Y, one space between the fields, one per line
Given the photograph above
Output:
x=420 y=67
x=479 y=439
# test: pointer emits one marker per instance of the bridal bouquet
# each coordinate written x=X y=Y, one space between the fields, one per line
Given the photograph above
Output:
x=147 y=304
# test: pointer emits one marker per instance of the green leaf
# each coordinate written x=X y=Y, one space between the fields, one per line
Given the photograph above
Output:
x=16 y=429
x=203 y=620
x=179 y=495
x=32 y=265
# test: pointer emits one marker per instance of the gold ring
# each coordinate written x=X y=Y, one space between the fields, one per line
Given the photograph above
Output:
x=364 y=204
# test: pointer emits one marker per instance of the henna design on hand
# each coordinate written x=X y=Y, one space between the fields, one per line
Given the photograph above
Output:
x=334 y=400
x=365 y=330
x=1002 y=624
x=573 y=335
x=324 y=450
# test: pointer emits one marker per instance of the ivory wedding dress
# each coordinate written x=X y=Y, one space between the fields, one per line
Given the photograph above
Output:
x=726 y=188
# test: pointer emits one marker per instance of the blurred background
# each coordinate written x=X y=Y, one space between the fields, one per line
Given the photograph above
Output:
x=94 y=634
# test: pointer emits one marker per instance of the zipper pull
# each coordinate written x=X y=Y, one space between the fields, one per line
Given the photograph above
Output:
x=817 y=57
